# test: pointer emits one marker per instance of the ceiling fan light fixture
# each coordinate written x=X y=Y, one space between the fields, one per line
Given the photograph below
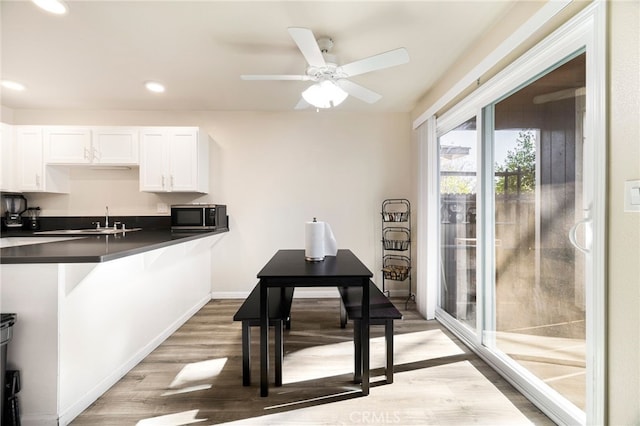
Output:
x=324 y=94
x=154 y=86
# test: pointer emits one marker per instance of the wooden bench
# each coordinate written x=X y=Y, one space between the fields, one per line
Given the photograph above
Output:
x=381 y=312
x=249 y=314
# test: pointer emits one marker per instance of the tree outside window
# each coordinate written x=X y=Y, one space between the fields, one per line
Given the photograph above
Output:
x=517 y=173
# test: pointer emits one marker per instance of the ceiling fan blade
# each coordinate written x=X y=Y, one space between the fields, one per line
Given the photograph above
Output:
x=308 y=45
x=358 y=91
x=276 y=77
x=377 y=62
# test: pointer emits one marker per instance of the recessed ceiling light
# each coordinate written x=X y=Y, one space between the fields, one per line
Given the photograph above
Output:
x=13 y=85
x=154 y=86
x=57 y=7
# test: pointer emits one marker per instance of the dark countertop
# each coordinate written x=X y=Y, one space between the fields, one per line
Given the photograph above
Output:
x=94 y=248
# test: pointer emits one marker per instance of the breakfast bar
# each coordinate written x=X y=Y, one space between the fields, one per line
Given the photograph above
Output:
x=90 y=308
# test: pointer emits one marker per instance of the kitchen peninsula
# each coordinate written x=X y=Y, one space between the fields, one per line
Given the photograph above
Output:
x=91 y=308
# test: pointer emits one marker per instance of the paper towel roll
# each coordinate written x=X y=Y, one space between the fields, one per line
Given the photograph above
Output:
x=314 y=241
x=319 y=241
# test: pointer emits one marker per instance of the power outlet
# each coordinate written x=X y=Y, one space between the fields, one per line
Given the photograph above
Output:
x=162 y=208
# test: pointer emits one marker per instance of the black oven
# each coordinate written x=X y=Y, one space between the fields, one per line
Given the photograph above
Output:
x=198 y=217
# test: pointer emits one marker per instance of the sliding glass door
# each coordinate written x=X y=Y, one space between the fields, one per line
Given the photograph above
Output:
x=538 y=311
x=458 y=189
x=514 y=216
x=520 y=206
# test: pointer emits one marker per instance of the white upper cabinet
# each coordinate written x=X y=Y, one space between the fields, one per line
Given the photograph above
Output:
x=37 y=158
x=91 y=145
x=174 y=159
x=67 y=145
x=32 y=175
x=115 y=146
x=154 y=160
x=7 y=158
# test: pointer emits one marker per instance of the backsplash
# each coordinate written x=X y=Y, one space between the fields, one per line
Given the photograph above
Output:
x=92 y=190
x=80 y=222
x=51 y=223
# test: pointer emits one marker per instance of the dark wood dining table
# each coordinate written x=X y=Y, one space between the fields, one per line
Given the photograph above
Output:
x=288 y=268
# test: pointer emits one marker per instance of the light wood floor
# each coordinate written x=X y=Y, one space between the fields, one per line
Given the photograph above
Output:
x=195 y=377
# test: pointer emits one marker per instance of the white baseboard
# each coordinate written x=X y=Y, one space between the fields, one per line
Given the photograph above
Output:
x=89 y=398
x=398 y=293
x=38 y=420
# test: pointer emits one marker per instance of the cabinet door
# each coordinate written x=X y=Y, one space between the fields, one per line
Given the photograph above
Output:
x=183 y=148
x=67 y=145
x=115 y=146
x=30 y=173
x=153 y=157
x=6 y=157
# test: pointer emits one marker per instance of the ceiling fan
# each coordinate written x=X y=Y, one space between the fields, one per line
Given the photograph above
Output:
x=331 y=85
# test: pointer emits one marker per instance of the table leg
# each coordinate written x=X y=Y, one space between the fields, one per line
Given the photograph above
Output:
x=264 y=339
x=246 y=353
x=357 y=346
x=365 y=341
x=279 y=351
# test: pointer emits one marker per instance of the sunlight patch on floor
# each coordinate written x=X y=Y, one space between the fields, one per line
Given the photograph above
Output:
x=450 y=394
x=187 y=390
x=317 y=400
x=197 y=371
x=337 y=359
x=177 y=419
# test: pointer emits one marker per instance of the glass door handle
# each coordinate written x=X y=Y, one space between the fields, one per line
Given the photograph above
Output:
x=572 y=235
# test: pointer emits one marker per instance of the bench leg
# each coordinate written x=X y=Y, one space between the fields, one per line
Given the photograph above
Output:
x=343 y=315
x=388 y=337
x=357 y=342
x=357 y=346
x=246 y=353
x=279 y=351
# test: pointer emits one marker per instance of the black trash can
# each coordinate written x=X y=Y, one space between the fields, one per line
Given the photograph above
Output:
x=11 y=415
x=6 y=331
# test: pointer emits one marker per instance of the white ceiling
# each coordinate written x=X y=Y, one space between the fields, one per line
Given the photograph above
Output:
x=99 y=55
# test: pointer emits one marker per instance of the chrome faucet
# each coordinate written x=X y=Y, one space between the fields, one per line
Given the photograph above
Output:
x=106 y=218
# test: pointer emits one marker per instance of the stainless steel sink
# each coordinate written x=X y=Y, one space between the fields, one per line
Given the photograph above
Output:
x=90 y=231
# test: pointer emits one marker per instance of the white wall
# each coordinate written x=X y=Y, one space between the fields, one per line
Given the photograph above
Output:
x=624 y=228
x=273 y=170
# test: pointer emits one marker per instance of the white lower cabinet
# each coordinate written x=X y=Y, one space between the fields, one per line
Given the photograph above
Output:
x=32 y=174
x=174 y=159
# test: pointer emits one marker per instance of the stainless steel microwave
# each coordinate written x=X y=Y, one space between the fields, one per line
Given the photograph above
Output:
x=198 y=217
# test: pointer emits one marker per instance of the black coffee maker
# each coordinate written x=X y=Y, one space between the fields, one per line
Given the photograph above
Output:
x=13 y=205
x=32 y=221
